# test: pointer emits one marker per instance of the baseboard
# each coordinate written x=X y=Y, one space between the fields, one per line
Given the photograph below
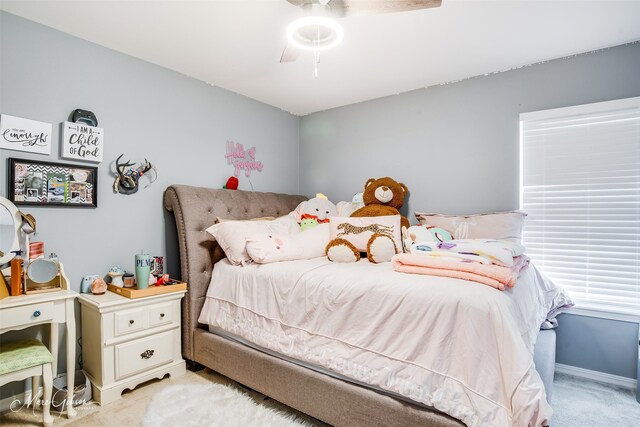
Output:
x=600 y=377
x=5 y=404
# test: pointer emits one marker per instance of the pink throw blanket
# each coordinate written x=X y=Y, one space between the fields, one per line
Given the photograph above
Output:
x=491 y=275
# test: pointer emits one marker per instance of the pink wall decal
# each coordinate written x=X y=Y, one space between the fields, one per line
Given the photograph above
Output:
x=242 y=160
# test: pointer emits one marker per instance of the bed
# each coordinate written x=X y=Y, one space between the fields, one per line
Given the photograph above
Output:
x=330 y=398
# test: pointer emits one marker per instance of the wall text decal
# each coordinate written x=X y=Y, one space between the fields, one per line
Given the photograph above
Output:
x=241 y=159
x=27 y=135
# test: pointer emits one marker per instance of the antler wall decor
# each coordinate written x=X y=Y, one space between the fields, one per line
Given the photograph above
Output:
x=127 y=181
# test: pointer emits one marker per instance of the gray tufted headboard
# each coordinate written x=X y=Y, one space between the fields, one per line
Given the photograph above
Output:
x=195 y=209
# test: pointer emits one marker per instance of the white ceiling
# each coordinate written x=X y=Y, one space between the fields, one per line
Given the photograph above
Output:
x=237 y=45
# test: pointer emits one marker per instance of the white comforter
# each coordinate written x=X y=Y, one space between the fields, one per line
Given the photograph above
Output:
x=461 y=347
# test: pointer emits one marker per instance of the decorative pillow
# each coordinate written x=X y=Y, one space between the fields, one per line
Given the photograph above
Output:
x=232 y=235
x=358 y=230
x=262 y=218
x=347 y=208
x=308 y=244
x=497 y=225
x=424 y=233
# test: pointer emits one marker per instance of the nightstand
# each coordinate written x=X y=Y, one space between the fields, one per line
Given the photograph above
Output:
x=126 y=342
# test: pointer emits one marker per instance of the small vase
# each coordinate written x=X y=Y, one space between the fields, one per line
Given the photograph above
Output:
x=116 y=279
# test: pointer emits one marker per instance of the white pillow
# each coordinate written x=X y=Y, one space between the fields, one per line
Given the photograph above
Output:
x=496 y=225
x=274 y=247
x=347 y=208
x=358 y=230
x=232 y=235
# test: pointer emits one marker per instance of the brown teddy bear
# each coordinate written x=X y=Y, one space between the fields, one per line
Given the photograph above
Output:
x=382 y=197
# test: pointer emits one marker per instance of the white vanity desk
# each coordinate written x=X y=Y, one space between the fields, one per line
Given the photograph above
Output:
x=53 y=308
x=21 y=311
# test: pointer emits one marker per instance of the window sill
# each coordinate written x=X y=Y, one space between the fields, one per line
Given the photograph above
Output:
x=579 y=311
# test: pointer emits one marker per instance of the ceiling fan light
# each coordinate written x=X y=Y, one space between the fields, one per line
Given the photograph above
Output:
x=315 y=33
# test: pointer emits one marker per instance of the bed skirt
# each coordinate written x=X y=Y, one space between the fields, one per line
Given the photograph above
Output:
x=328 y=399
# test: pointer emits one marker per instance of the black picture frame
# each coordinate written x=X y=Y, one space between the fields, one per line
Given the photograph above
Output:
x=50 y=184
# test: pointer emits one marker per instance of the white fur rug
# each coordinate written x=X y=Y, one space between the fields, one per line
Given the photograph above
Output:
x=195 y=405
x=581 y=403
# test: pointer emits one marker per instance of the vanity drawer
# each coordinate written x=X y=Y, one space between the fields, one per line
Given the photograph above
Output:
x=160 y=314
x=129 y=321
x=143 y=354
x=23 y=315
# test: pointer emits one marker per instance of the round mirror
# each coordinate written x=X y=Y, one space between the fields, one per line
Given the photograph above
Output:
x=10 y=222
x=42 y=270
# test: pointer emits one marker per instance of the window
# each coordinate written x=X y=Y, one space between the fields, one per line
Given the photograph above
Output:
x=580 y=184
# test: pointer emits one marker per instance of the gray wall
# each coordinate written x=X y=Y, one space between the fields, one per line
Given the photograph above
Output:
x=603 y=345
x=180 y=124
x=456 y=148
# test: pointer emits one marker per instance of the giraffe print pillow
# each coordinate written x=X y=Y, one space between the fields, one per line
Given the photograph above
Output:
x=358 y=230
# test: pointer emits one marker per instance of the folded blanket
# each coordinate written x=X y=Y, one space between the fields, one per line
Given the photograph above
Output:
x=491 y=275
x=427 y=250
x=500 y=252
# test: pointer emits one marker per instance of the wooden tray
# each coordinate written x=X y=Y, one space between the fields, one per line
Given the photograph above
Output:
x=150 y=291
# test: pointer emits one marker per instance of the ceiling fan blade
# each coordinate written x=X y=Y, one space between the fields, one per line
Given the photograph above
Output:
x=372 y=7
x=300 y=2
x=289 y=54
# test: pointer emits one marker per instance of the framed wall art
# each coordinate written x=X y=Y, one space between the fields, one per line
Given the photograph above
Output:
x=27 y=135
x=36 y=183
x=81 y=142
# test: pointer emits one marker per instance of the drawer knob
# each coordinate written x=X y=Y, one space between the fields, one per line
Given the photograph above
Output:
x=36 y=313
x=146 y=354
x=131 y=322
x=161 y=314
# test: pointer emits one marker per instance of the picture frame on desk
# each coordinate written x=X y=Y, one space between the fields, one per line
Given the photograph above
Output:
x=37 y=183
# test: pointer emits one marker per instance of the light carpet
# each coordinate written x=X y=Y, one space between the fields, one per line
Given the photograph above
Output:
x=194 y=405
x=576 y=403
x=583 y=403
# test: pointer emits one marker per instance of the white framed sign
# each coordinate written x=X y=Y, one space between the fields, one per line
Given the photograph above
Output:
x=81 y=142
x=27 y=135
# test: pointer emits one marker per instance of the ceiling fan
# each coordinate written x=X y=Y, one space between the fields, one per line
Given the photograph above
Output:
x=318 y=30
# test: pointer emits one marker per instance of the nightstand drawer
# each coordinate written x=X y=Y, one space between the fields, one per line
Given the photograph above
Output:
x=129 y=321
x=23 y=315
x=160 y=314
x=143 y=354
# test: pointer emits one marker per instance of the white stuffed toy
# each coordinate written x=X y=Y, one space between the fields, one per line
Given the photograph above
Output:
x=315 y=211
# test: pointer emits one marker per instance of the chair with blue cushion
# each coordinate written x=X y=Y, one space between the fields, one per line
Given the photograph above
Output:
x=29 y=359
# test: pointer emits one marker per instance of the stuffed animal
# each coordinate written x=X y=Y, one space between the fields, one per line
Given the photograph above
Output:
x=382 y=197
x=315 y=211
x=307 y=223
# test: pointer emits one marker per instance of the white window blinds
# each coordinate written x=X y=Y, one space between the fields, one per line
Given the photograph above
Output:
x=580 y=184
